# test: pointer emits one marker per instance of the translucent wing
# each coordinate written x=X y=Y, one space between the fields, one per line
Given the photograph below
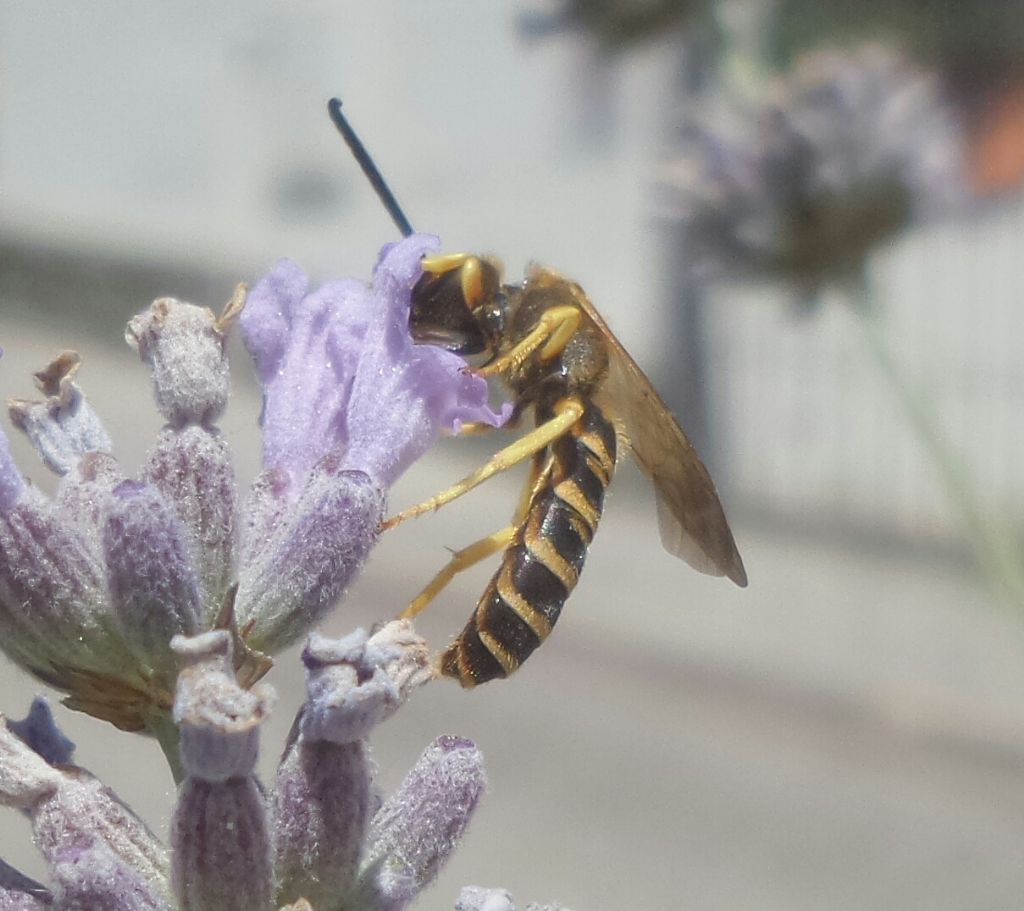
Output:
x=690 y=515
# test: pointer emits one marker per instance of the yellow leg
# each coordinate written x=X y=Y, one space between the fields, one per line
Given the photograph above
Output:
x=482 y=549
x=553 y=331
x=469 y=428
x=470 y=269
x=460 y=561
x=445 y=262
x=567 y=412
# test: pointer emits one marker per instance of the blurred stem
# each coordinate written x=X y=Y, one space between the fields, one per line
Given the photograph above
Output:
x=744 y=26
x=994 y=547
x=167 y=735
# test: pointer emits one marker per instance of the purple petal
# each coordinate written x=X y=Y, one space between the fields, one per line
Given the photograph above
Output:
x=341 y=373
x=40 y=732
x=305 y=347
x=25 y=777
x=403 y=394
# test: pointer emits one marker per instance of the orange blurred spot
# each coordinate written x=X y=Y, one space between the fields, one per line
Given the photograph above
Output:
x=996 y=144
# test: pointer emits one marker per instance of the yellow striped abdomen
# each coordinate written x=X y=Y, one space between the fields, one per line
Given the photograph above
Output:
x=543 y=562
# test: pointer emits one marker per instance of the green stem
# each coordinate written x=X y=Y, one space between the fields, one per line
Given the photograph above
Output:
x=994 y=547
x=167 y=735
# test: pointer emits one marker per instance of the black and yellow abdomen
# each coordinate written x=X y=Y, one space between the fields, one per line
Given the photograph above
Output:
x=542 y=564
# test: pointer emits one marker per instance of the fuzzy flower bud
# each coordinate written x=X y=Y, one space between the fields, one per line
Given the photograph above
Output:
x=299 y=563
x=184 y=347
x=322 y=801
x=96 y=582
x=64 y=427
x=70 y=809
x=219 y=835
x=417 y=828
x=154 y=592
x=192 y=469
x=94 y=878
x=219 y=721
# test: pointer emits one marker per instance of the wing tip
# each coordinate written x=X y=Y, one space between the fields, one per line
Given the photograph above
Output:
x=737 y=572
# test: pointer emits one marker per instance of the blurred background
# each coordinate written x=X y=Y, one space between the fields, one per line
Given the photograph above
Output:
x=803 y=219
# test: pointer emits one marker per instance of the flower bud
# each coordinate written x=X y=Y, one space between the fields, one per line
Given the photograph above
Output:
x=322 y=800
x=192 y=469
x=184 y=347
x=94 y=878
x=220 y=839
x=417 y=828
x=153 y=589
x=64 y=427
x=291 y=577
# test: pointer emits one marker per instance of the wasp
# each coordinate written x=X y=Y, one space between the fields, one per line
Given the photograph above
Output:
x=591 y=404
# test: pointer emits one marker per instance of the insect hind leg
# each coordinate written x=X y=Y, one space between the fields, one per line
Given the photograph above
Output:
x=461 y=560
x=469 y=556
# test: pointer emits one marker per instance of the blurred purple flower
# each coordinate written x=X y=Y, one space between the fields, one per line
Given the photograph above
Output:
x=805 y=182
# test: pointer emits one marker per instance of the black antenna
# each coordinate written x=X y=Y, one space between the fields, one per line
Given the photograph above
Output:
x=369 y=168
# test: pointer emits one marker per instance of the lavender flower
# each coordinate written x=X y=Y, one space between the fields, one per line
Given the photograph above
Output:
x=804 y=183
x=96 y=582
x=316 y=843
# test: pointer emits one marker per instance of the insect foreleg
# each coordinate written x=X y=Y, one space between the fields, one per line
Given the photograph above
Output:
x=567 y=412
x=553 y=331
